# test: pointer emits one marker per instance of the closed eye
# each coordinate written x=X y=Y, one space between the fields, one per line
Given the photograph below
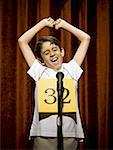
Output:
x=54 y=49
x=46 y=52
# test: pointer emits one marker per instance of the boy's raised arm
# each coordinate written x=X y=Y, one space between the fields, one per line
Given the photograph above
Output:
x=24 y=40
x=82 y=36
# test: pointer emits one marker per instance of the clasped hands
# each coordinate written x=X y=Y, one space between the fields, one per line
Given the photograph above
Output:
x=54 y=23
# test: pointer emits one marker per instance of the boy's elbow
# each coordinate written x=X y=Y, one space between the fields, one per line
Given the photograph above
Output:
x=20 y=40
x=88 y=38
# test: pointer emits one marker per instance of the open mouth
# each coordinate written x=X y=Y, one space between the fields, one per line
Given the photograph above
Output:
x=54 y=59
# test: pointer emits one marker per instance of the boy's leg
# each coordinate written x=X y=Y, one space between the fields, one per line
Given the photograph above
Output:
x=42 y=143
x=70 y=143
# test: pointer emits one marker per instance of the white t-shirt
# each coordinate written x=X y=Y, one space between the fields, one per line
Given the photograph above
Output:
x=47 y=127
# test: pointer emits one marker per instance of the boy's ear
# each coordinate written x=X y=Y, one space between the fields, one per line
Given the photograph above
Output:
x=63 y=52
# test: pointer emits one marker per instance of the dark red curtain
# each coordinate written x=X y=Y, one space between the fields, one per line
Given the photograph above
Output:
x=96 y=84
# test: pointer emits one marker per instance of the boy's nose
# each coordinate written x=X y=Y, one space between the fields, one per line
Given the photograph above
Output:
x=52 y=53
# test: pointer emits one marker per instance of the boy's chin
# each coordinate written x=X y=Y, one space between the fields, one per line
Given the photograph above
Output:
x=56 y=67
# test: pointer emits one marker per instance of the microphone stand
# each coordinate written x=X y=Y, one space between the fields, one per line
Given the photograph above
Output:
x=60 y=91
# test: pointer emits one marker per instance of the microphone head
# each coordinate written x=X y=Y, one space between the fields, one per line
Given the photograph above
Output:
x=60 y=75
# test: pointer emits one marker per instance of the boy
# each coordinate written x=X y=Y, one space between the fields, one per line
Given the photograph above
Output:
x=45 y=65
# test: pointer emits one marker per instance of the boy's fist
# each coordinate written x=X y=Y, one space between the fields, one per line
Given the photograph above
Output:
x=59 y=23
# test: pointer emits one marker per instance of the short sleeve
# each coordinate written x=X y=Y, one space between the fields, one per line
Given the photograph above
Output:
x=74 y=69
x=36 y=70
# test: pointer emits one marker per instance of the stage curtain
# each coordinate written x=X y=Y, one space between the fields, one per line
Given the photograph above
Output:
x=95 y=85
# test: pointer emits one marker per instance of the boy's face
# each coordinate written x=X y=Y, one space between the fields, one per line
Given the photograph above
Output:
x=52 y=55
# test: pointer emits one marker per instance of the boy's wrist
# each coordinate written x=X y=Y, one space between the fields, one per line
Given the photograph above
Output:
x=66 y=25
x=42 y=23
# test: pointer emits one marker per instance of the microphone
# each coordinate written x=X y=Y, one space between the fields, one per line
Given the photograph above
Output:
x=60 y=77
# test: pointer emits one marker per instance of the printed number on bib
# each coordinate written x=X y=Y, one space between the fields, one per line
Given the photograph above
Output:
x=48 y=99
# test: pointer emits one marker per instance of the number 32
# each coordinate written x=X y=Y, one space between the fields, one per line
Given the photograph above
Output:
x=51 y=94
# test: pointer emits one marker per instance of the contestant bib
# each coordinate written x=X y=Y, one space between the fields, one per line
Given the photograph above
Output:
x=48 y=99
